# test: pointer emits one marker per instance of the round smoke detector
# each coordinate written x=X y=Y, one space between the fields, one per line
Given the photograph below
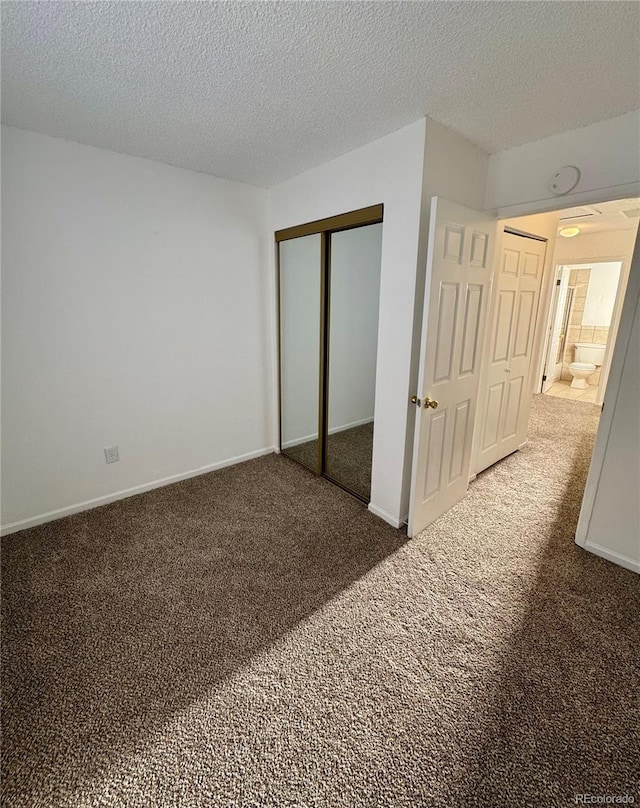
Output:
x=564 y=180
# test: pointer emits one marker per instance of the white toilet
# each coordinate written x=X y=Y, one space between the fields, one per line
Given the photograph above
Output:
x=589 y=357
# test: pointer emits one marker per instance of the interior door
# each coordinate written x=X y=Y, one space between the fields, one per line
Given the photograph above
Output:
x=506 y=390
x=461 y=243
x=557 y=332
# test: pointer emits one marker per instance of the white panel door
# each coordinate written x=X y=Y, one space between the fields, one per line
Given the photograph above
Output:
x=461 y=243
x=506 y=389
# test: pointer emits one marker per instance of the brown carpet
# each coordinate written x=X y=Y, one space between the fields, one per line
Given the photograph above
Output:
x=349 y=457
x=305 y=453
x=254 y=637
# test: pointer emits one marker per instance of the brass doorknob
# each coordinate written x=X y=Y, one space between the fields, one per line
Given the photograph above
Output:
x=430 y=402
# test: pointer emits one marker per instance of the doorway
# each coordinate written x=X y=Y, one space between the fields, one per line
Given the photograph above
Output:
x=591 y=264
x=585 y=272
x=523 y=327
x=582 y=328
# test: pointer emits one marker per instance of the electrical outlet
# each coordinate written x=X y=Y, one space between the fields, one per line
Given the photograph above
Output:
x=111 y=454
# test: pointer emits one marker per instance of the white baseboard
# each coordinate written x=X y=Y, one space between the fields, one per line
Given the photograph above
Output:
x=352 y=425
x=391 y=520
x=332 y=431
x=297 y=441
x=609 y=555
x=60 y=513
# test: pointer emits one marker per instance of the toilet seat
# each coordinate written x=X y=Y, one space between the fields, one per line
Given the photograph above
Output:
x=582 y=366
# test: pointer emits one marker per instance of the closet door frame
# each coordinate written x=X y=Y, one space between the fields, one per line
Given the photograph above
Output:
x=325 y=227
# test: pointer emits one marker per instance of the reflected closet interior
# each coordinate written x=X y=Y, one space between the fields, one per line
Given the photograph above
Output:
x=329 y=296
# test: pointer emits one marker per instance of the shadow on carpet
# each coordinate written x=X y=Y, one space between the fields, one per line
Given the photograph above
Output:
x=254 y=638
x=117 y=618
x=564 y=718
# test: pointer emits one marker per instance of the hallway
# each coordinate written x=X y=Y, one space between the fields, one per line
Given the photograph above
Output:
x=255 y=637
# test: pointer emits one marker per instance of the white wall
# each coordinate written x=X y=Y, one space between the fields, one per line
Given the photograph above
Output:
x=609 y=244
x=453 y=167
x=137 y=312
x=609 y=523
x=606 y=153
x=388 y=170
x=601 y=293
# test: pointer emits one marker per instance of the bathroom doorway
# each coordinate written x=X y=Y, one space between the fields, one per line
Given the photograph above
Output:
x=588 y=277
x=558 y=286
x=524 y=310
x=581 y=319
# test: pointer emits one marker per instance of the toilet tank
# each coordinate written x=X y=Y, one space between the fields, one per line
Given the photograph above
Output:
x=590 y=352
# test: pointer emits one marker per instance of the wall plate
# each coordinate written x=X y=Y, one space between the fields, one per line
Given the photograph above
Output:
x=564 y=180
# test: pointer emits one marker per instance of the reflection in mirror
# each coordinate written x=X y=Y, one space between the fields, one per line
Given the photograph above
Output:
x=602 y=289
x=300 y=347
x=353 y=342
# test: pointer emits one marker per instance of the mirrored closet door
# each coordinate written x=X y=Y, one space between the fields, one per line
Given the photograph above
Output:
x=354 y=299
x=300 y=348
x=329 y=295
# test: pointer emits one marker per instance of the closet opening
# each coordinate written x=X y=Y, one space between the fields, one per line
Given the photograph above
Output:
x=328 y=276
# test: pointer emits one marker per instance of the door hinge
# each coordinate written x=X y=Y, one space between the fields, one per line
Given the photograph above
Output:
x=544 y=378
x=558 y=282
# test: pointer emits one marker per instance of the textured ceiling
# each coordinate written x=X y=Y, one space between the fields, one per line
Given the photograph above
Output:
x=261 y=91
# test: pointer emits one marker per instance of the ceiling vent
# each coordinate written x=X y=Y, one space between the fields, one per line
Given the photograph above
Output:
x=632 y=213
x=574 y=214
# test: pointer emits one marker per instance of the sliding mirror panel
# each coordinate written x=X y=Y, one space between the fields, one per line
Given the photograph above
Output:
x=354 y=297
x=299 y=274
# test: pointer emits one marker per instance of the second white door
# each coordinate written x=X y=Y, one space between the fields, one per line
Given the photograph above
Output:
x=506 y=387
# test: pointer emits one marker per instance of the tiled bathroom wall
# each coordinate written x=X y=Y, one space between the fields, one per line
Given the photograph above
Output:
x=579 y=279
